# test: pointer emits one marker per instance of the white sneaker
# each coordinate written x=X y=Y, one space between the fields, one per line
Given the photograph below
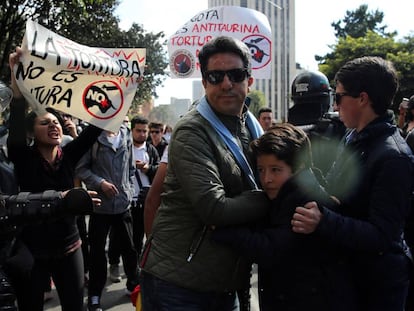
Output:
x=114 y=274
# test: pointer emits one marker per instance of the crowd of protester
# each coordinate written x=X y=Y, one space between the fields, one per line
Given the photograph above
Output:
x=221 y=191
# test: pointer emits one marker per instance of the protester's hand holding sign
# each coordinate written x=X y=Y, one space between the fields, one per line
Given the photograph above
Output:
x=96 y=85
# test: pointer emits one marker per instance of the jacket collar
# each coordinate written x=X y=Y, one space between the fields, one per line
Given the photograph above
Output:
x=381 y=125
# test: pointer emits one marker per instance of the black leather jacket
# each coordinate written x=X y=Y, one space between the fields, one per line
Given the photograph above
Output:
x=373 y=179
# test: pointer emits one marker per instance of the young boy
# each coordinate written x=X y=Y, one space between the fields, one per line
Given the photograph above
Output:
x=295 y=271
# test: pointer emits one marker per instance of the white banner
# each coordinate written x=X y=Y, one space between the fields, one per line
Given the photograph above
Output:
x=248 y=25
x=96 y=85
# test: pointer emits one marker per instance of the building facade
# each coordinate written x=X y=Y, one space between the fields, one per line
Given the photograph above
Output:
x=281 y=15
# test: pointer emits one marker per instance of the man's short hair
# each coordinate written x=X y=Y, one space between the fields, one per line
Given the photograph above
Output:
x=138 y=120
x=373 y=75
x=224 y=44
x=264 y=109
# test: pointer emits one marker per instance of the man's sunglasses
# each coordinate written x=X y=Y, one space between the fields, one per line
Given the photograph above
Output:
x=217 y=76
x=338 y=96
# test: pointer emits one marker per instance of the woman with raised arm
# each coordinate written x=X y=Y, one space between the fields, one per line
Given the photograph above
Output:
x=45 y=165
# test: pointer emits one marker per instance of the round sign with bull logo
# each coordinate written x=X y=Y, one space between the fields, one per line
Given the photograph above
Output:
x=182 y=63
x=103 y=99
x=260 y=48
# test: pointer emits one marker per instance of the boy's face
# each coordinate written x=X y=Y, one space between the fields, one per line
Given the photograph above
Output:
x=273 y=173
x=350 y=108
x=156 y=135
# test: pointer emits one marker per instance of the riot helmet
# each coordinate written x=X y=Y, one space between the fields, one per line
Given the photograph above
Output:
x=309 y=85
x=311 y=95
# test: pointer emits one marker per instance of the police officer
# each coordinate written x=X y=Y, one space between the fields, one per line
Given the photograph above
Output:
x=312 y=111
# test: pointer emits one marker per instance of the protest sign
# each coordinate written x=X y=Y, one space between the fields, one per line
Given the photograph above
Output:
x=94 y=84
x=248 y=25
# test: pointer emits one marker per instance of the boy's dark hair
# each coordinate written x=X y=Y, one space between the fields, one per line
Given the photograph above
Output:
x=288 y=143
x=373 y=75
x=156 y=125
x=224 y=44
x=138 y=120
x=264 y=109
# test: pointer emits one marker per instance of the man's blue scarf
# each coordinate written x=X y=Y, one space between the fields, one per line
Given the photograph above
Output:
x=255 y=129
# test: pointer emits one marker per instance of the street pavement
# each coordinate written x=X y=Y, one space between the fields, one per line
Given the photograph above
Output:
x=114 y=298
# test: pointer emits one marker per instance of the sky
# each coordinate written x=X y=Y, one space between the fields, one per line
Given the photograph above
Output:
x=313 y=19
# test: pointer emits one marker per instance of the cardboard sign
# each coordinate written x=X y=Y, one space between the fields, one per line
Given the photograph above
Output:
x=248 y=25
x=96 y=85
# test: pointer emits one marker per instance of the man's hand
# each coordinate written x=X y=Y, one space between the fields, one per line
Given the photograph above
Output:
x=71 y=128
x=142 y=166
x=306 y=218
x=96 y=201
x=109 y=189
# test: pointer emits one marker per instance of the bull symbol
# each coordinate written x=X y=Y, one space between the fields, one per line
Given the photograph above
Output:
x=182 y=66
x=255 y=50
x=97 y=97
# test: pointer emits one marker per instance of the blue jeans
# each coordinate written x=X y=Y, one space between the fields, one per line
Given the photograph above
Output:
x=159 y=295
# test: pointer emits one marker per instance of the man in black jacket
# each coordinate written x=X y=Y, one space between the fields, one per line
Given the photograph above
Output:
x=372 y=178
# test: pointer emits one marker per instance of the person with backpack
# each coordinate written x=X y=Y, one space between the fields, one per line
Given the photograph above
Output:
x=109 y=169
x=146 y=162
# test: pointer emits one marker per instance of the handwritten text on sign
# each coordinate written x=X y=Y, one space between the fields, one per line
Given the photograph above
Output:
x=247 y=25
x=96 y=85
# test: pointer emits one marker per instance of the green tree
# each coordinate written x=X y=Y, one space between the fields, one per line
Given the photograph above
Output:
x=403 y=61
x=156 y=60
x=68 y=18
x=88 y=22
x=359 y=34
x=164 y=114
x=357 y=23
x=257 y=101
x=348 y=48
x=13 y=16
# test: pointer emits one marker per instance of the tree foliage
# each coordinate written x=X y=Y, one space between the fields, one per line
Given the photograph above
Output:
x=257 y=101
x=357 y=23
x=348 y=48
x=360 y=34
x=163 y=114
x=156 y=60
x=88 y=22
